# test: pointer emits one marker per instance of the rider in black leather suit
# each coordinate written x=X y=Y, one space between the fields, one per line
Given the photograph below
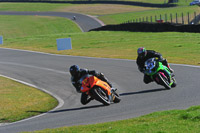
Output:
x=144 y=55
x=77 y=73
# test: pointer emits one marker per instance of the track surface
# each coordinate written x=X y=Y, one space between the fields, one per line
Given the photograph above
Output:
x=51 y=73
x=85 y=22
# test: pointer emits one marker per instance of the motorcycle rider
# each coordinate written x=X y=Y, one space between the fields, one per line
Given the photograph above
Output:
x=77 y=73
x=144 y=55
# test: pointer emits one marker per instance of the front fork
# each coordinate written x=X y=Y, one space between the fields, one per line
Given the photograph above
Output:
x=169 y=77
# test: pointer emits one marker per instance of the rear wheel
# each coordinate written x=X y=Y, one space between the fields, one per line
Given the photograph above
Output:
x=174 y=82
x=116 y=98
x=101 y=95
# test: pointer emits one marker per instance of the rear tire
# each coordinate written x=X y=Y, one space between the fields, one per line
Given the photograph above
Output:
x=116 y=97
x=174 y=82
x=101 y=95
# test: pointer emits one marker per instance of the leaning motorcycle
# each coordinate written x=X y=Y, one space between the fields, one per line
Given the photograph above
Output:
x=159 y=73
x=98 y=90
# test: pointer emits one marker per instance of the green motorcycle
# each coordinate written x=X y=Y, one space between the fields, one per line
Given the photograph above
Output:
x=159 y=73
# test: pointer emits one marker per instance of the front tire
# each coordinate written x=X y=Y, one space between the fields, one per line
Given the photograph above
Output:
x=164 y=81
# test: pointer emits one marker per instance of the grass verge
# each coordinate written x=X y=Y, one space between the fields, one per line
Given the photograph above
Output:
x=18 y=101
x=173 y=121
x=176 y=47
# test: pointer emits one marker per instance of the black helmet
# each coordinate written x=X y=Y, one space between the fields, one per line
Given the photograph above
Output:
x=142 y=52
x=74 y=70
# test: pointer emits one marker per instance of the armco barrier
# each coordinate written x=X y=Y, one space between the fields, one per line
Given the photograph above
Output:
x=150 y=27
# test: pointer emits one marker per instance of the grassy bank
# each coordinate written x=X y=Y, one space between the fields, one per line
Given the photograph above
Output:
x=174 y=121
x=11 y=6
x=124 y=17
x=92 y=9
x=18 y=101
x=26 y=26
x=176 y=47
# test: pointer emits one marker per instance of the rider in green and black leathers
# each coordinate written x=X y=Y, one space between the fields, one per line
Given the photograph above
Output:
x=144 y=55
x=77 y=73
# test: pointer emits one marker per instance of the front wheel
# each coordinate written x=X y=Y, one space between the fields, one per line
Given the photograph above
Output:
x=163 y=80
x=101 y=95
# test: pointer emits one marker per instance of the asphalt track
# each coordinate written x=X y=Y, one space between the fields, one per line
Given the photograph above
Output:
x=50 y=72
x=85 y=22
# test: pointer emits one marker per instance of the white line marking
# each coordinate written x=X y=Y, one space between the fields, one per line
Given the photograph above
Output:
x=42 y=68
x=90 y=57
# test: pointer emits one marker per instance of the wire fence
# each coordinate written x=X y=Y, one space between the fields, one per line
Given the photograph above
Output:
x=185 y=19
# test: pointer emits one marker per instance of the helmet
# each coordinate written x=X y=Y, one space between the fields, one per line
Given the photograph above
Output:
x=74 y=70
x=142 y=52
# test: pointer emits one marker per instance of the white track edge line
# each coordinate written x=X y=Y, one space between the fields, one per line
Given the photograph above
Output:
x=91 y=57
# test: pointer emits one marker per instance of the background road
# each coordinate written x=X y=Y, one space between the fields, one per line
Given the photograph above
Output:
x=51 y=73
x=85 y=22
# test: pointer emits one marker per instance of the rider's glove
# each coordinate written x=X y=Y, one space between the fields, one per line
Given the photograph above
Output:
x=161 y=59
x=142 y=70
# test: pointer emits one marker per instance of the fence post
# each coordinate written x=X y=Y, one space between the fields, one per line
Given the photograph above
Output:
x=146 y=19
x=182 y=19
x=188 y=18
x=165 y=17
x=176 y=18
x=171 y=17
x=195 y=18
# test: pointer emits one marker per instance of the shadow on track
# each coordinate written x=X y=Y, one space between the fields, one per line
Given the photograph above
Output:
x=98 y=106
x=141 y=92
x=97 y=2
x=80 y=108
x=72 y=109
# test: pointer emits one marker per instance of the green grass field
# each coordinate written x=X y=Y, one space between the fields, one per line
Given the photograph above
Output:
x=124 y=17
x=30 y=6
x=40 y=33
x=27 y=26
x=180 y=46
x=18 y=101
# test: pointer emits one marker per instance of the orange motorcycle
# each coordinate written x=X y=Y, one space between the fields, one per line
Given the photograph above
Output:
x=98 y=90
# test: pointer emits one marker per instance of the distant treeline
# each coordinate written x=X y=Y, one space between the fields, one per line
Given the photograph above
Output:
x=150 y=27
x=121 y=2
